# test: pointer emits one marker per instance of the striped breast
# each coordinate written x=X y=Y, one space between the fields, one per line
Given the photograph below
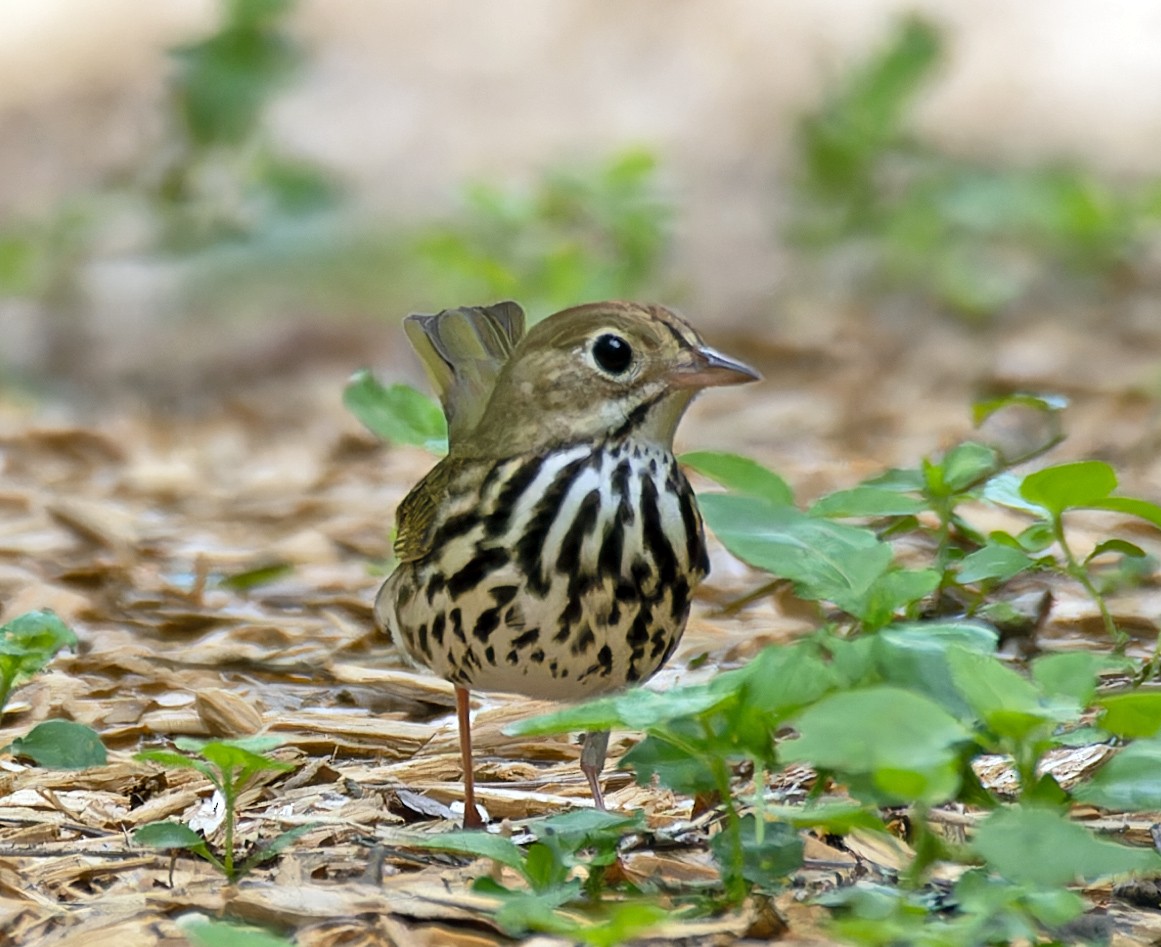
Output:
x=560 y=576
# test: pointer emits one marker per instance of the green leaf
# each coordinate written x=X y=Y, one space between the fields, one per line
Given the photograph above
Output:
x=479 y=844
x=257 y=743
x=988 y=685
x=27 y=644
x=741 y=475
x=1004 y=490
x=1056 y=907
x=543 y=869
x=1071 y=675
x=1143 y=509
x=966 y=465
x=1129 y=782
x=825 y=560
x=1008 y=703
x=914 y=656
x=770 y=850
x=579 y=828
x=835 y=818
x=898 y=479
x=276 y=846
x=863 y=117
x=206 y=932
x=632 y=710
x=852 y=659
x=260 y=575
x=61 y=744
x=1037 y=537
x=234 y=755
x=993 y=562
x=895 y=590
x=1126 y=549
x=167 y=835
x=40 y=634
x=21 y=264
x=1050 y=404
x=677 y=757
x=1041 y=847
x=889 y=734
x=399 y=414
x=779 y=680
x=623 y=922
x=1132 y=715
x=999 y=904
x=1065 y=486
x=223 y=82
x=170 y=760
x=867 y=500
x=524 y=911
x=894 y=786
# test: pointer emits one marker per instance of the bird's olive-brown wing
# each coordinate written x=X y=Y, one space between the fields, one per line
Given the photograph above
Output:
x=415 y=518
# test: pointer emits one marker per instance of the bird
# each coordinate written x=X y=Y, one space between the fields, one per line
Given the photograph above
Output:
x=553 y=551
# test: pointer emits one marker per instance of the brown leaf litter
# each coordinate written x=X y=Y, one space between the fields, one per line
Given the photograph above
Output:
x=130 y=527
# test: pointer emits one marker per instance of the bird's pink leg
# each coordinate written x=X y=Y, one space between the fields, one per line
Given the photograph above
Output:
x=472 y=818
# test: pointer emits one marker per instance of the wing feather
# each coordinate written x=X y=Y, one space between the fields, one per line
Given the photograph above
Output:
x=415 y=517
x=462 y=351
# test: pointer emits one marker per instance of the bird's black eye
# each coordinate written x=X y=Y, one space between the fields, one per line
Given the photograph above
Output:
x=612 y=353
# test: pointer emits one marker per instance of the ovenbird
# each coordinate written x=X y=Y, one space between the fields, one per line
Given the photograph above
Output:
x=553 y=551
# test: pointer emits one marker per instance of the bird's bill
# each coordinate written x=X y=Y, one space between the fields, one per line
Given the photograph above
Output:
x=709 y=368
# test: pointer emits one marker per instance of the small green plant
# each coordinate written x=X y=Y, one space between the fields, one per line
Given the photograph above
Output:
x=895 y=696
x=579 y=234
x=853 y=566
x=897 y=718
x=553 y=899
x=27 y=645
x=975 y=237
x=229 y=765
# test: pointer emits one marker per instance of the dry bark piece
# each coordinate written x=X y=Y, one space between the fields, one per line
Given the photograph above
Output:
x=227 y=715
x=98 y=521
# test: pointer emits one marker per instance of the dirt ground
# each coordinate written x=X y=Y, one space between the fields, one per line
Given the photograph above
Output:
x=125 y=519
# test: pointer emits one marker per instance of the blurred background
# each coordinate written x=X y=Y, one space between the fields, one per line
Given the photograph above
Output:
x=202 y=195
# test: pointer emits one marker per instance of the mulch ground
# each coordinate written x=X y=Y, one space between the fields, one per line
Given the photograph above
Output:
x=130 y=522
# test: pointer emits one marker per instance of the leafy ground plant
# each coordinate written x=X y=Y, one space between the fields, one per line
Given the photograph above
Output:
x=852 y=566
x=897 y=719
x=229 y=765
x=892 y=702
x=564 y=873
x=27 y=645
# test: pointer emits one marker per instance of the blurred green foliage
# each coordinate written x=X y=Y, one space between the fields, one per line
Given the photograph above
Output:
x=225 y=180
x=577 y=234
x=975 y=237
x=225 y=80
x=216 y=190
x=253 y=228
